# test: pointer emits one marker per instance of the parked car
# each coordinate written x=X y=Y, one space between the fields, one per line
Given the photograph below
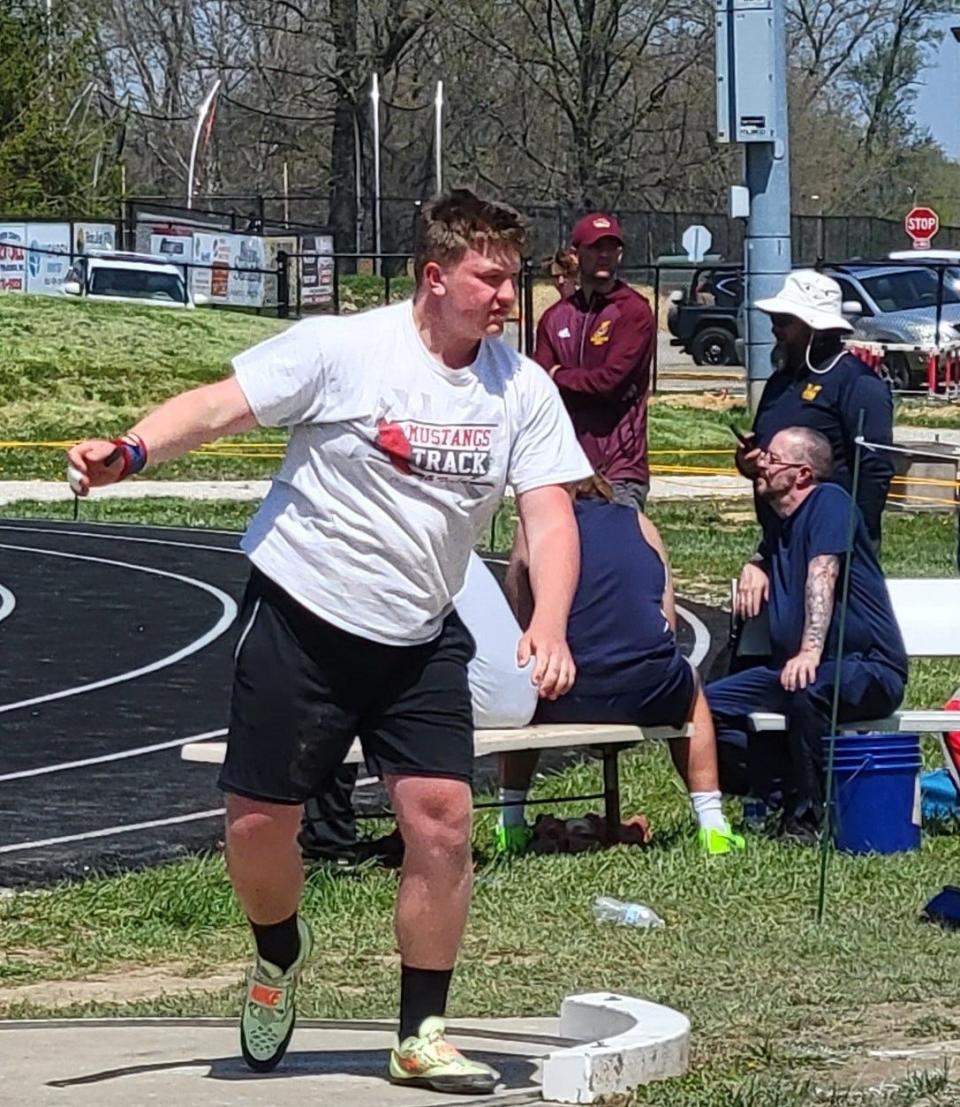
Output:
x=703 y=318
x=885 y=303
x=133 y=278
x=898 y=305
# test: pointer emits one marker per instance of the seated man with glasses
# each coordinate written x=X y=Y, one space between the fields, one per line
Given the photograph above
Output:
x=801 y=560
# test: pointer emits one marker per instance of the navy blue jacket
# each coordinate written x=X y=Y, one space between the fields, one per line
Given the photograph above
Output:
x=830 y=403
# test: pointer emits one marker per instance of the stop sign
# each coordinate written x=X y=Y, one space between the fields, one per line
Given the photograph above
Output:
x=921 y=225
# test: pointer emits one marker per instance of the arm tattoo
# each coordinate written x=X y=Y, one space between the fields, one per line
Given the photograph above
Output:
x=822 y=575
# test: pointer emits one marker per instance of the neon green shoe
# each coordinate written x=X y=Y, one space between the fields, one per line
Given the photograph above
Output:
x=715 y=843
x=430 y=1061
x=269 y=1010
x=512 y=840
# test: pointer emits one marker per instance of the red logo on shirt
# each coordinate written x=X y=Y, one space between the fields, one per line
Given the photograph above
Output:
x=437 y=451
x=392 y=440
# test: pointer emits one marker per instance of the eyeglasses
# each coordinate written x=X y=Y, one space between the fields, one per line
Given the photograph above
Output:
x=772 y=459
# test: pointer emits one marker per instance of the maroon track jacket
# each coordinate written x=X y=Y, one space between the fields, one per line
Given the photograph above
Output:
x=604 y=350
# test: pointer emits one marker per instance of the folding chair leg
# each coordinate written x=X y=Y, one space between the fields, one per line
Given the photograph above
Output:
x=611 y=792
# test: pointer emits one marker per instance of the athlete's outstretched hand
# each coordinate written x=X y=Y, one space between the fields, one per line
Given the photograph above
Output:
x=554 y=671
x=88 y=467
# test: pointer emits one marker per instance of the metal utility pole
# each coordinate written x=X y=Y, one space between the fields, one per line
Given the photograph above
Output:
x=752 y=109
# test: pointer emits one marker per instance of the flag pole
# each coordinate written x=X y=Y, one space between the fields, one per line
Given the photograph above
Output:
x=377 y=233
x=205 y=108
x=438 y=136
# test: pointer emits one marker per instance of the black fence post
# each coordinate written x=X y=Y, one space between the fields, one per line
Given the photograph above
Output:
x=386 y=282
x=336 y=285
x=283 y=285
x=527 y=307
x=655 y=363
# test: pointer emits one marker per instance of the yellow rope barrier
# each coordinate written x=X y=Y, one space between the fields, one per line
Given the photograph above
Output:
x=271 y=451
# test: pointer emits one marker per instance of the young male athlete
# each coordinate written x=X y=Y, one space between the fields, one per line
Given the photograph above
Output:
x=406 y=424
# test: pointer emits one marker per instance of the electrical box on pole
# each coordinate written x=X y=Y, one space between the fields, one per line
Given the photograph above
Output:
x=746 y=89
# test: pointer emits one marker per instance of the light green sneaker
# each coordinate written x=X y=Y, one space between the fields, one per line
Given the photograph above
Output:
x=269 y=1010
x=715 y=843
x=512 y=840
x=430 y=1061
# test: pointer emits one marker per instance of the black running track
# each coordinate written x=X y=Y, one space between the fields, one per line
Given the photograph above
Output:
x=115 y=650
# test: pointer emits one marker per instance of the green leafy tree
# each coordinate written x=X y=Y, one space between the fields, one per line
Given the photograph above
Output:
x=58 y=153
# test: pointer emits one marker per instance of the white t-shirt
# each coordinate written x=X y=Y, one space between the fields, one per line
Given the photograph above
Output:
x=394 y=465
x=502 y=694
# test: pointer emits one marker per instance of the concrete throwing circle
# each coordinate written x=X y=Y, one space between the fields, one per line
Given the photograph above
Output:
x=106 y=1062
x=117 y=650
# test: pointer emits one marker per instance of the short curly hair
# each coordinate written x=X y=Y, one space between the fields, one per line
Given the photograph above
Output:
x=461 y=220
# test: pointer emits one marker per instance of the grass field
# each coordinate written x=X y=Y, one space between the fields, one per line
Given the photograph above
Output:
x=785 y=1012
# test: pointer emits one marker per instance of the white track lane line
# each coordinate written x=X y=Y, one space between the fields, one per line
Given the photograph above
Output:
x=140 y=751
x=132 y=828
x=701 y=636
x=131 y=538
x=221 y=625
x=8 y=601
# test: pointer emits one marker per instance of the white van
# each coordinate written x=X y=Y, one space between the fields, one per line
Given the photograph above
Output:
x=129 y=278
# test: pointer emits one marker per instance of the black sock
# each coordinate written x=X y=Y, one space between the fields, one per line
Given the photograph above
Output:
x=423 y=992
x=278 y=943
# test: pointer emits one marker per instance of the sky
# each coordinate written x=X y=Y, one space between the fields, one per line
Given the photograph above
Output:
x=938 y=100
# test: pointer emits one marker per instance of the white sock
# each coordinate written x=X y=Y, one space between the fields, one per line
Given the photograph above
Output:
x=513 y=815
x=708 y=810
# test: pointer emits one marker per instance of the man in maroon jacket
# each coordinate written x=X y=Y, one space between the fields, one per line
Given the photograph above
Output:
x=597 y=346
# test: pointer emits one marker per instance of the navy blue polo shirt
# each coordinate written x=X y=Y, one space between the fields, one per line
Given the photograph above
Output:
x=819 y=526
x=830 y=402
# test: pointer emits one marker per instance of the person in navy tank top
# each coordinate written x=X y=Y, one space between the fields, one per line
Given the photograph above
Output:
x=621 y=633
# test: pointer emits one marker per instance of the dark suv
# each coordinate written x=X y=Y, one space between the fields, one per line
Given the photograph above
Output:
x=703 y=317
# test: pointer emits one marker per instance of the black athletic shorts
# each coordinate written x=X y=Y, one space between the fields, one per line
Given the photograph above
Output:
x=303 y=690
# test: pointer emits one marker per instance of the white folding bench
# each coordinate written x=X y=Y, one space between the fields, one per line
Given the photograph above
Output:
x=927 y=610
x=609 y=737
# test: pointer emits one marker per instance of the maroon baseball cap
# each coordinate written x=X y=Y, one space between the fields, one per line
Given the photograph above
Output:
x=591 y=228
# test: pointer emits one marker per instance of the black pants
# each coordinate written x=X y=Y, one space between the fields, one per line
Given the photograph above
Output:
x=329 y=827
x=868 y=689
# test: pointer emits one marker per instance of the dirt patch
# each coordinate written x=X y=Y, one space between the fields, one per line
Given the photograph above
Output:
x=123 y=986
x=888 y=1042
x=28 y=954
x=720 y=400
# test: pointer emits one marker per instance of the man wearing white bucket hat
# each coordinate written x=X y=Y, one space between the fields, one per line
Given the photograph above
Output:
x=819 y=384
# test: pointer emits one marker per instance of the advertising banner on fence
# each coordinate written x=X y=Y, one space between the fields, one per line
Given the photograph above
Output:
x=233 y=278
x=94 y=236
x=12 y=258
x=245 y=286
x=211 y=250
x=316 y=269
x=173 y=243
x=48 y=257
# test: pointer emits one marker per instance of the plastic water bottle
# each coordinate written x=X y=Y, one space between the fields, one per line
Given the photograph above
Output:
x=754 y=813
x=606 y=909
